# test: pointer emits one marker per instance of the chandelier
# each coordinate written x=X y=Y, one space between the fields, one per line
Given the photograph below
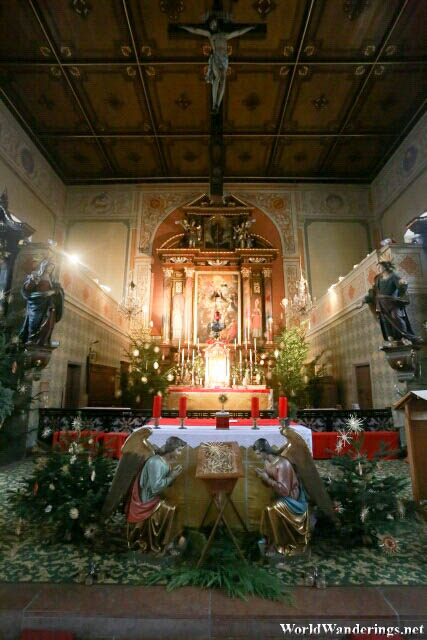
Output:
x=301 y=303
x=130 y=307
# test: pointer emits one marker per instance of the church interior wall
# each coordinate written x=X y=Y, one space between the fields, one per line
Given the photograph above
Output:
x=411 y=203
x=25 y=205
x=333 y=247
x=102 y=247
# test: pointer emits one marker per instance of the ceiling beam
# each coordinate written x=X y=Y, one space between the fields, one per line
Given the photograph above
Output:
x=202 y=135
x=170 y=62
x=144 y=88
x=51 y=44
x=290 y=87
x=362 y=87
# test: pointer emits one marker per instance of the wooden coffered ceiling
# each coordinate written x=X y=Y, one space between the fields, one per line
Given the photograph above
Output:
x=107 y=96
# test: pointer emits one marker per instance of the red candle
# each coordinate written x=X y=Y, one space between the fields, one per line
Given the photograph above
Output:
x=283 y=407
x=183 y=407
x=157 y=406
x=255 y=407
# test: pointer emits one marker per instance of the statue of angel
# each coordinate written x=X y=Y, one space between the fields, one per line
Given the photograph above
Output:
x=193 y=231
x=144 y=471
x=241 y=234
x=291 y=472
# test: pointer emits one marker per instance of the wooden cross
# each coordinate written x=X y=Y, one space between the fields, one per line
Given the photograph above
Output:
x=218 y=31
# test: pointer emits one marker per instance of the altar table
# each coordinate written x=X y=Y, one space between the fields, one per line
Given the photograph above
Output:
x=237 y=398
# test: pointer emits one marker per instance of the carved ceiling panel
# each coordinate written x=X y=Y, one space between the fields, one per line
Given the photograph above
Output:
x=114 y=100
x=187 y=157
x=247 y=157
x=297 y=157
x=321 y=97
x=354 y=157
x=45 y=97
x=254 y=99
x=388 y=100
x=82 y=161
x=409 y=37
x=180 y=98
x=86 y=29
x=335 y=32
x=20 y=31
x=134 y=158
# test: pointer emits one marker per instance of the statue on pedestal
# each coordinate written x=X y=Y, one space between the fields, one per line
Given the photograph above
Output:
x=193 y=232
x=387 y=299
x=45 y=302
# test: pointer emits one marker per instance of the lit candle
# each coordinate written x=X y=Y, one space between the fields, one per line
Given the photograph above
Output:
x=255 y=344
x=235 y=344
x=283 y=407
x=179 y=344
x=250 y=355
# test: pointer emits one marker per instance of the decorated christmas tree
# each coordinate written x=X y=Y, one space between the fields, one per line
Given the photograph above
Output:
x=368 y=501
x=67 y=489
x=147 y=374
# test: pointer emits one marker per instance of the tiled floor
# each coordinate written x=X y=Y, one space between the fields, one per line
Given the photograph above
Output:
x=136 y=613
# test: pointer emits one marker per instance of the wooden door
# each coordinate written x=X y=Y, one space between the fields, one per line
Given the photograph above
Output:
x=72 y=386
x=363 y=386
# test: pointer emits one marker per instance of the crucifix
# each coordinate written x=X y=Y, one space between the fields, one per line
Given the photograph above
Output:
x=218 y=29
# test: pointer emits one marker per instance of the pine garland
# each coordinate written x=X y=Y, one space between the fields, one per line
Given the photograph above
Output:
x=223 y=569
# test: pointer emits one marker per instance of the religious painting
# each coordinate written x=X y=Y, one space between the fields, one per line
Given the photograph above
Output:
x=219 y=232
x=217 y=292
x=256 y=317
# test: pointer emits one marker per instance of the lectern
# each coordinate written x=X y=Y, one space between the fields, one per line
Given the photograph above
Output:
x=415 y=405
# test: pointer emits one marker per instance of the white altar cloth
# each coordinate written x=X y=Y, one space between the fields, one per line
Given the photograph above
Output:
x=245 y=436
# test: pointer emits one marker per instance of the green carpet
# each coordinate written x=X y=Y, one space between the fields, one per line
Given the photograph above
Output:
x=28 y=557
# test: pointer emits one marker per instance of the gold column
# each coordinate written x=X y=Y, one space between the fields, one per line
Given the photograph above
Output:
x=246 y=275
x=189 y=281
x=166 y=315
x=268 y=302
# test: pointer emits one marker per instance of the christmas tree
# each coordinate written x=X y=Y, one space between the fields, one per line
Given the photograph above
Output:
x=67 y=489
x=148 y=374
x=366 y=500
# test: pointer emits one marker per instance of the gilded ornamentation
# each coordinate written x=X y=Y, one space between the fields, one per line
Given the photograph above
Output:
x=45 y=51
x=390 y=50
x=360 y=70
x=178 y=259
x=150 y=71
x=126 y=50
x=264 y=7
x=246 y=272
x=320 y=103
x=266 y=272
x=146 y=51
x=288 y=50
x=183 y=102
x=379 y=69
x=172 y=8
x=303 y=70
x=66 y=51
x=167 y=271
x=154 y=209
x=131 y=71
x=369 y=50
x=56 y=72
x=81 y=7
x=354 y=8
x=309 y=50
x=284 y=71
x=75 y=72
x=189 y=273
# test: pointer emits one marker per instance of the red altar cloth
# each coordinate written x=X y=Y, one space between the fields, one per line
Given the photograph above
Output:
x=325 y=442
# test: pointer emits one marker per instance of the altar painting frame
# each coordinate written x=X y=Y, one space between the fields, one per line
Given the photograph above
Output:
x=203 y=314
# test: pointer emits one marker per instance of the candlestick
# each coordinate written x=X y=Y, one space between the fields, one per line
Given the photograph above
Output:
x=179 y=344
x=255 y=411
x=250 y=355
x=255 y=344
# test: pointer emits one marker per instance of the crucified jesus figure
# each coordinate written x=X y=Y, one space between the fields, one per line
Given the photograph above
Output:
x=218 y=60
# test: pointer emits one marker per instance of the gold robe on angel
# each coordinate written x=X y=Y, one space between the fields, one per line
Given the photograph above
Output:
x=153 y=517
x=286 y=523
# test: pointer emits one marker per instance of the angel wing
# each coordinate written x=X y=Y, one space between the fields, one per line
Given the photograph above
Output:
x=135 y=451
x=298 y=453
